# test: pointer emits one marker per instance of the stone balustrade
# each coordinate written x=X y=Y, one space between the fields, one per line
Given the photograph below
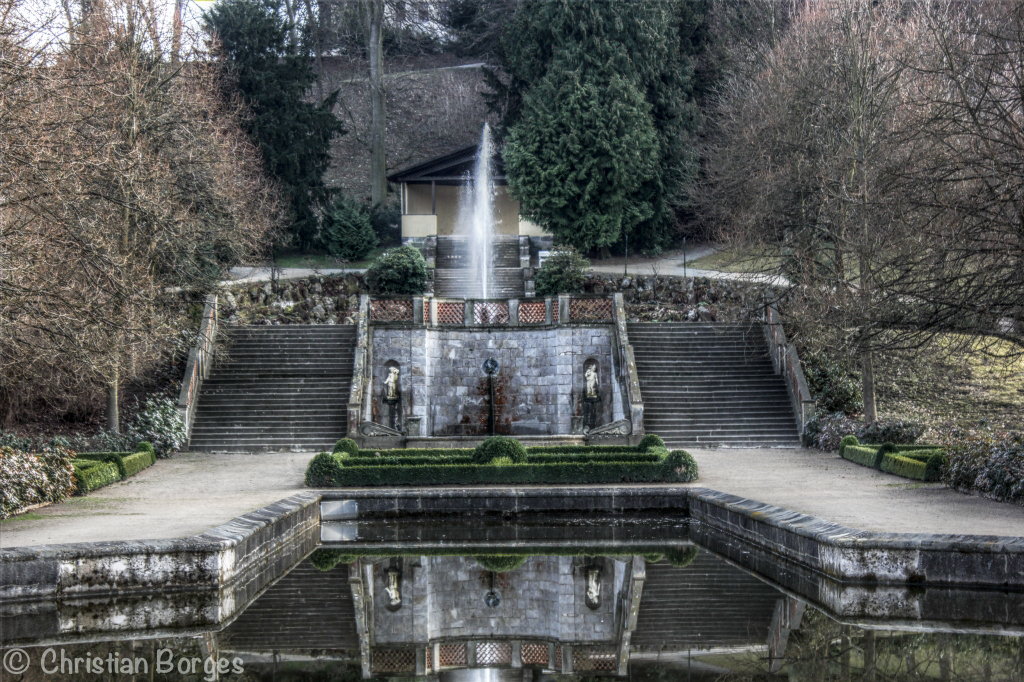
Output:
x=430 y=311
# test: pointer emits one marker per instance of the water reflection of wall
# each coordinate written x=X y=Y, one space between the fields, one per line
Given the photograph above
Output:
x=444 y=598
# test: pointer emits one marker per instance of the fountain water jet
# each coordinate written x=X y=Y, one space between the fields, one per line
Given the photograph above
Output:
x=476 y=212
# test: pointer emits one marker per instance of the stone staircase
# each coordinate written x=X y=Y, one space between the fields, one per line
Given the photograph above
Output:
x=453 y=277
x=711 y=384
x=282 y=387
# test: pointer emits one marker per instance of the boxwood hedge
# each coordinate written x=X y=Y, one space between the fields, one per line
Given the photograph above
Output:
x=919 y=462
x=90 y=476
x=456 y=467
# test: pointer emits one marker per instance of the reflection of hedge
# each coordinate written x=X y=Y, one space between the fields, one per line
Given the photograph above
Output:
x=326 y=559
x=681 y=557
x=500 y=563
x=644 y=463
x=919 y=462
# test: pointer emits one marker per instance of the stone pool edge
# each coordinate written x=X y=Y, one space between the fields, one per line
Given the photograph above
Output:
x=252 y=541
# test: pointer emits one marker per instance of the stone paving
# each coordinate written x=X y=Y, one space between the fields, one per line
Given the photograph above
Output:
x=193 y=492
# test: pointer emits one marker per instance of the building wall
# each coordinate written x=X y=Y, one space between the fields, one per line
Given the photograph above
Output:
x=506 y=210
x=538 y=385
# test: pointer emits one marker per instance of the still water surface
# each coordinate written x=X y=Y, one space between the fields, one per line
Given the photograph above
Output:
x=527 y=599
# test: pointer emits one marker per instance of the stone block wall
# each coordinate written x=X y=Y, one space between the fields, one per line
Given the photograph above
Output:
x=537 y=387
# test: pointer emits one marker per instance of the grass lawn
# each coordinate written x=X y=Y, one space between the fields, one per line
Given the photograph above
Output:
x=733 y=260
x=941 y=388
x=297 y=259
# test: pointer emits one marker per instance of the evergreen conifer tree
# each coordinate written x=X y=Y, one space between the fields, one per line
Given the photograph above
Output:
x=598 y=114
x=273 y=78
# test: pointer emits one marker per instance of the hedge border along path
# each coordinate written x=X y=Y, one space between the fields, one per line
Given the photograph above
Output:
x=916 y=462
x=93 y=470
x=561 y=465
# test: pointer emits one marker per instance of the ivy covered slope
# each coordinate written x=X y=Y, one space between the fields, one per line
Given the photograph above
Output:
x=502 y=460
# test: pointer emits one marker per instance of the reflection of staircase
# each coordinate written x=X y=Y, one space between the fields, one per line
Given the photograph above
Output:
x=454 y=279
x=711 y=384
x=278 y=388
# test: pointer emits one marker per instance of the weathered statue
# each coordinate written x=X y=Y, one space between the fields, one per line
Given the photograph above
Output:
x=593 y=587
x=393 y=397
x=591 y=385
x=393 y=590
x=591 y=397
x=391 y=384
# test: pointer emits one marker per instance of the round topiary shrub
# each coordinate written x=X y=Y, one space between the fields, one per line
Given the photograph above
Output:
x=563 y=272
x=326 y=559
x=684 y=465
x=500 y=563
x=398 y=272
x=847 y=440
x=346 y=445
x=145 y=446
x=346 y=231
x=321 y=470
x=935 y=466
x=499 y=447
x=651 y=440
x=681 y=557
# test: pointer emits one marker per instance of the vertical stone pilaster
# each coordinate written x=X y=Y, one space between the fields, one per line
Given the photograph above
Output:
x=563 y=309
x=467 y=313
x=549 y=314
x=513 y=312
x=433 y=311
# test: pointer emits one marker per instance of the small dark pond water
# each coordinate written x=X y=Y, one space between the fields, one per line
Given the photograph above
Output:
x=526 y=599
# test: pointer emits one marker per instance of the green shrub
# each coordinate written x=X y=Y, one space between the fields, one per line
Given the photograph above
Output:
x=500 y=563
x=346 y=231
x=861 y=454
x=986 y=462
x=386 y=460
x=847 y=440
x=832 y=382
x=135 y=463
x=681 y=557
x=145 y=446
x=935 y=465
x=652 y=558
x=563 y=272
x=684 y=463
x=397 y=272
x=883 y=450
x=33 y=478
x=160 y=423
x=891 y=431
x=386 y=219
x=93 y=474
x=346 y=445
x=115 y=458
x=651 y=440
x=906 y=467
x=499 y=446
x=322 y=470
x=327 y=559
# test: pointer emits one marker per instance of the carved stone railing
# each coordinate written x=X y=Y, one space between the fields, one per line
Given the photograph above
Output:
x=361 y=367
x=627 y=367
x=431 y=311
x=200 y=357
x=787 y=363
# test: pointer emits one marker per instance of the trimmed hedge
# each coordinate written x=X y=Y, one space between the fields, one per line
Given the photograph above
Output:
x=91 y=474
x=128 y=464
x=501 y=563
x=922 y=463
x=530 y=459
x=346 y=445
x=327 y=559
x=651 y=440
x=499 y=447
x=676 y=466
x=135 y=463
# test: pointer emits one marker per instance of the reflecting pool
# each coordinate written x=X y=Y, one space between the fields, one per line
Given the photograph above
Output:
x=493 y=599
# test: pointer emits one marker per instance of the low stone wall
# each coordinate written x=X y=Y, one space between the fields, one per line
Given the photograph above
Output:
x=312 y=300
x=681 y=299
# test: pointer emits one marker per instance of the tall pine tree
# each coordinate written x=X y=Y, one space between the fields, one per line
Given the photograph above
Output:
x=273 y=78
x=598 y=114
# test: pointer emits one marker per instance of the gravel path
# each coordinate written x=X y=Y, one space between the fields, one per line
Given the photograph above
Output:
x=192 y=492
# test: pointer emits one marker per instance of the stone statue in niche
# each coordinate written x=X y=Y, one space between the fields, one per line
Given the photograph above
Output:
x=393 y=397
x=393 y=588
x=591 y=395
x=593 y=597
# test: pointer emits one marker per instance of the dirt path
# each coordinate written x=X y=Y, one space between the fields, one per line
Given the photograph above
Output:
x=193 y=492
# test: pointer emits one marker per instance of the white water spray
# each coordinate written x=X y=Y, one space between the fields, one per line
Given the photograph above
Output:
x=477 y=215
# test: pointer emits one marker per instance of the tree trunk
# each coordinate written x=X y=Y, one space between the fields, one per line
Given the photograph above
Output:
x=176 y=32
x=375 y=50
x=867 y=377
x=113 y=417
x=317 y=31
